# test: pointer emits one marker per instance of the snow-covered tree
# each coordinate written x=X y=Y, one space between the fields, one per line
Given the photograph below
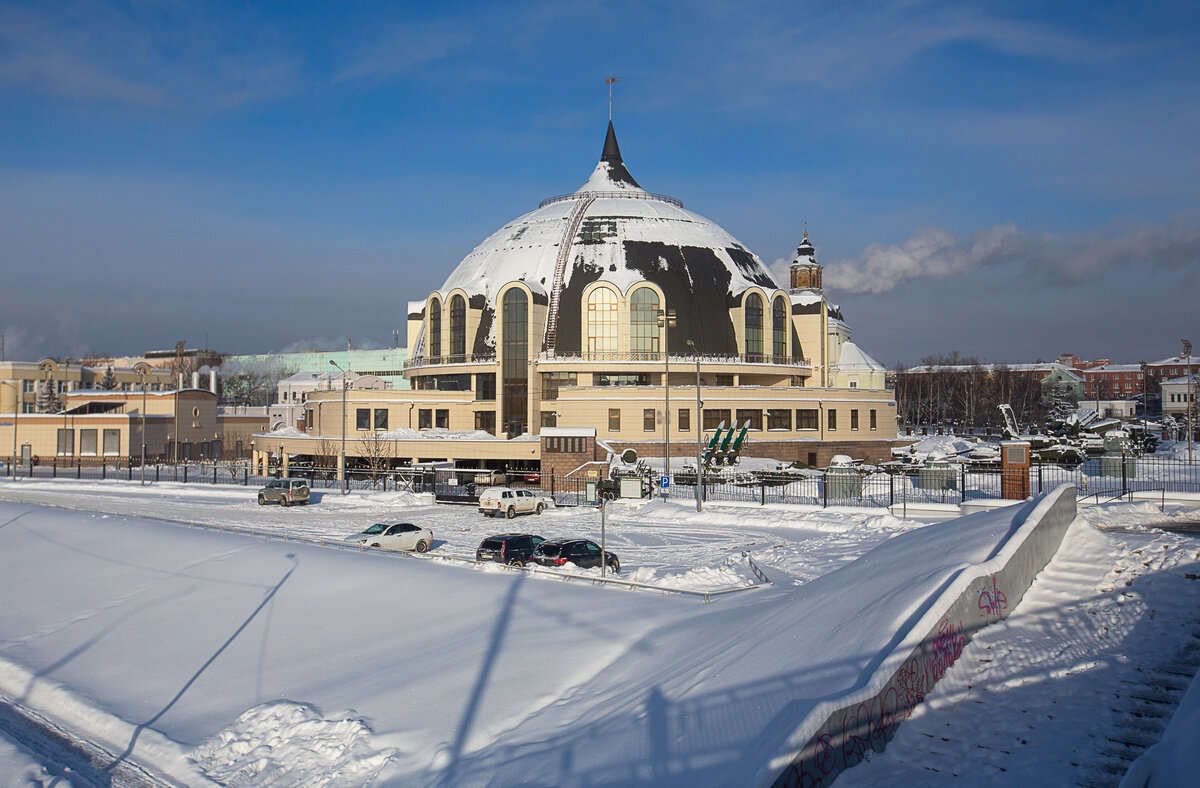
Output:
x=109 y=381
x=1060 y=400
x=47 y=402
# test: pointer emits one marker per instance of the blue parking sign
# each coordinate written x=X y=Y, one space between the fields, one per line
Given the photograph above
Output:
x=664 y=482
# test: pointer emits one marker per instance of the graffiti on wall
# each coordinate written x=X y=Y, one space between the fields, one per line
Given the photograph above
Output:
x=992 y=601
x=870 y=725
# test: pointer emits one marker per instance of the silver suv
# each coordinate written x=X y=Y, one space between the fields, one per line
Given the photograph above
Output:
x=285 y=491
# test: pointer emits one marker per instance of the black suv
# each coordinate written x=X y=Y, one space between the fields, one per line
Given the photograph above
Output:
x=584 y=553
x=514 y=549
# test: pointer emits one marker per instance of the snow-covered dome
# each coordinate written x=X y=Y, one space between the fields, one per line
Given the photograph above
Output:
x=612 y=230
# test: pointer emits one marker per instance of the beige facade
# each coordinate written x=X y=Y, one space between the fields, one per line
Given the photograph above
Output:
x=19 y=380
x=99 y=424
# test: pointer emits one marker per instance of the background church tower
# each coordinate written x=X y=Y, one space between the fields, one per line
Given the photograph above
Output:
x=806 y=271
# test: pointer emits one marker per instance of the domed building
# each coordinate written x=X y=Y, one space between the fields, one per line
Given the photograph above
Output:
x=591 y=312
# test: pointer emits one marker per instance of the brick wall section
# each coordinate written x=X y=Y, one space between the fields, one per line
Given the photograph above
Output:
x=560 y=463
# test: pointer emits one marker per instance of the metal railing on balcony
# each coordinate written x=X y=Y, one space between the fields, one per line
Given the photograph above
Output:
x=461 y=358
x=741 y=358
x=629 y=195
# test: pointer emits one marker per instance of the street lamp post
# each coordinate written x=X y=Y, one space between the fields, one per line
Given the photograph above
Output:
x=1145 y=401
x=141 y=369
x=66 y=388
x=699 y=423
x=16 y=421
x=1189 y=394
x=345 y=383
x=666 y=320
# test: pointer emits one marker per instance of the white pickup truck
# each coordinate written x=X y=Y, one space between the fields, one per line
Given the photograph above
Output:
x=509 y=502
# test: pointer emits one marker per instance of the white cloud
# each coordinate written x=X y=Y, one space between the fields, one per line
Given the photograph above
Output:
x=933 y=253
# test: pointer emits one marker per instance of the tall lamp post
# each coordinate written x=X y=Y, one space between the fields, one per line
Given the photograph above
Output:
x=179 y=346
x=1189 y=394
x=66 y=388
x=666 y=320
x=16 y=420
x=699 y=423
x=345 y=383
x=141 y=369
x=1145 y=400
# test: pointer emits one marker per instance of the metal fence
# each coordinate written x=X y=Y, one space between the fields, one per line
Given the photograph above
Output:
x=1101 y=478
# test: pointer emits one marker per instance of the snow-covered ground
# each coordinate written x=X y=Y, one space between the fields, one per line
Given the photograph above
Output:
x=251 y=660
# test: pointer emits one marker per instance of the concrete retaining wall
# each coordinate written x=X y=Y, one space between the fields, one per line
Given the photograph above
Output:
x=838 y=733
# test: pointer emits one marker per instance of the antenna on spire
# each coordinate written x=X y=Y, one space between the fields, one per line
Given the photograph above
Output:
x=609 y=81
x=806 y=229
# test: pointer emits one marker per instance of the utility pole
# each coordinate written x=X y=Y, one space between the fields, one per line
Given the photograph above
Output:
x=345 y=383
x=666 y=321
x=1190 y=394
x=699 y=425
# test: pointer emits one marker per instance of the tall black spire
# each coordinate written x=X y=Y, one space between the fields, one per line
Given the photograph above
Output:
x=612 y=155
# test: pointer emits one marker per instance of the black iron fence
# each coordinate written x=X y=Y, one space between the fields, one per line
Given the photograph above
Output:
x=1100 y=478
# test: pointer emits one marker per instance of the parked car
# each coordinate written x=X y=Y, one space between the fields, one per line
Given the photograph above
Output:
x=509 y=502
x=514 y=549
x=395 y=536
x=584 y=553
x=285 y=492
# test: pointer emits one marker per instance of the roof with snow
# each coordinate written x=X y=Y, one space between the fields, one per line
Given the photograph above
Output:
x=853 y=358
x=613 y=230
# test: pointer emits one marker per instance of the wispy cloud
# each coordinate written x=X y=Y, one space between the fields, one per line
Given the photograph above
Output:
x=167 y=56
x=933 y=253
x=406 y=48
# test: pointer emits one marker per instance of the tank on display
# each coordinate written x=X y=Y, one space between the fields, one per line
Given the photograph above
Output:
x=1046 y=448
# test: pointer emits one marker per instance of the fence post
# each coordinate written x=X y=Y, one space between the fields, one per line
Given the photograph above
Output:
x=825 y=490
x=156 y=472
x=1039 y=467
x=764 y=492
x=78 y=467
x=129 y=467
x=185 y=474
x=891 y=490
x=963 y=491
x=1123 y=480
x=245 y=476
x=214 y=473
x=103 y=470
x=54 y=469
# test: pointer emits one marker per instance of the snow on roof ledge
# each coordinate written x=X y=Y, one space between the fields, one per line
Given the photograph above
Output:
x=568 y=432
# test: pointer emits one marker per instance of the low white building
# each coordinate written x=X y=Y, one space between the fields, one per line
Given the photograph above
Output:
x=293 y=392
x=1175 y=396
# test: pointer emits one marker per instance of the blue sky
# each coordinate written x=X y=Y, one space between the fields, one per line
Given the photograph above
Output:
x=1009 y=180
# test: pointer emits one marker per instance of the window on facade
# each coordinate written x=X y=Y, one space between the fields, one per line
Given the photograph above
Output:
x=685 y=420
x=308 y=418
x=435 y=329
x=485 y=386
x=549 y=418
x=486 y=420
x=723 y=380
x=381 y=419
x=648 y=420
x=552 y=381
x=779 y=419
x=754 y=325
x=515 y=365
x=854 y=418
x=715 y=417
x=643 y=321
x=779 y=327
x=750 y=418
x=112 y=443
x=362 y=419
x=66 y=443
x=640 y=379
x=614 y=419
x=424 y=418
x=602 y=321
x=832 y=425
x=441 y=418
x=458 y=326
x=87 y=443
x=874 y=422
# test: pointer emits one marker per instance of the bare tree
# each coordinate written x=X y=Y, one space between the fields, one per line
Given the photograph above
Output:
x=325 y=456
x=377 y=452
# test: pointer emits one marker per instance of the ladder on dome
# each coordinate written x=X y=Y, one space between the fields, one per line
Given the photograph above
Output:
x=560 y=269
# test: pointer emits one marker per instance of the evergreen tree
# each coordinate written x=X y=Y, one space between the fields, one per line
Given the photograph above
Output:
x=109 y=381
x=47 y=402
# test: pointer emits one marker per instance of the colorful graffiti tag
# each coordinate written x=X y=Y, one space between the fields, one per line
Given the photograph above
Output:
x=992 y=601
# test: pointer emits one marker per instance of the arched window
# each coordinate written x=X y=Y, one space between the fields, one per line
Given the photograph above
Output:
x=754 y=325
x=779 y=328
x=435 y=329
x=515 y=365
x=643 y=321
x=602 y=321
x=458 y=326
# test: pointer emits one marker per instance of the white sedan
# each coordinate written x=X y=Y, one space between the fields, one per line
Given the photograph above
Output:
x=394 y=536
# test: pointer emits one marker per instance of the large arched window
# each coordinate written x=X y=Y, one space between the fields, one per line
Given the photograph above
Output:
x=643 y=321
x=602 y=321
x=779 y=328
x=515 y=366
x=754 y=325
x=435 y=329
x=458 y=326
